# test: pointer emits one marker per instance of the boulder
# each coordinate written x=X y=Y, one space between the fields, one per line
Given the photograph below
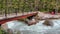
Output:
x=31 y=22
x=48 y=23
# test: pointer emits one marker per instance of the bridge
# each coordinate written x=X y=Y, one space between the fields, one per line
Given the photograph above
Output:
x=16 y=17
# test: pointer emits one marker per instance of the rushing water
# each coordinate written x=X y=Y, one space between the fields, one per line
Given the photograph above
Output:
x=38 y=28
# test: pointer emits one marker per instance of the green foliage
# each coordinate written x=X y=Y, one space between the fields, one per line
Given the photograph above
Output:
x=28 y=5
x=2 y=31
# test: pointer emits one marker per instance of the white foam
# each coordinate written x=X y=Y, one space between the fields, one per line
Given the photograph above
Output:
x=39 y=27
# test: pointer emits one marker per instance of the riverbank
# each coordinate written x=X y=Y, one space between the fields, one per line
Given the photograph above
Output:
x=48 y=15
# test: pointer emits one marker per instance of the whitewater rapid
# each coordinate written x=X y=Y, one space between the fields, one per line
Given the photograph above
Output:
x=38 y=28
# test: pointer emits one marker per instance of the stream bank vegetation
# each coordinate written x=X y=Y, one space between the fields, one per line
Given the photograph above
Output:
x=16 y=6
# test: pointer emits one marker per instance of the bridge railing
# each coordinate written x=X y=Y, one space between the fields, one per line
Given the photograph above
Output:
x=4 y=16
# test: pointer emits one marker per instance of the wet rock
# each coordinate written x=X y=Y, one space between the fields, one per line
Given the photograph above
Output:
x=9 y=31
x=48 y=23
x=31 y=22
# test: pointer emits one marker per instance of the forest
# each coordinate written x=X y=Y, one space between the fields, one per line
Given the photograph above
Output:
x=12 y=6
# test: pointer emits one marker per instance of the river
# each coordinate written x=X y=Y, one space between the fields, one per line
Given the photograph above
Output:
x=38 y=28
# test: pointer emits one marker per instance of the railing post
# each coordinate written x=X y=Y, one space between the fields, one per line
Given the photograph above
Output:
x=5 y=14
x=16 y=11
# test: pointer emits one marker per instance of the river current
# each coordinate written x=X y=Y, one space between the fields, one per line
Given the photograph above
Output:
x=38 y=28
